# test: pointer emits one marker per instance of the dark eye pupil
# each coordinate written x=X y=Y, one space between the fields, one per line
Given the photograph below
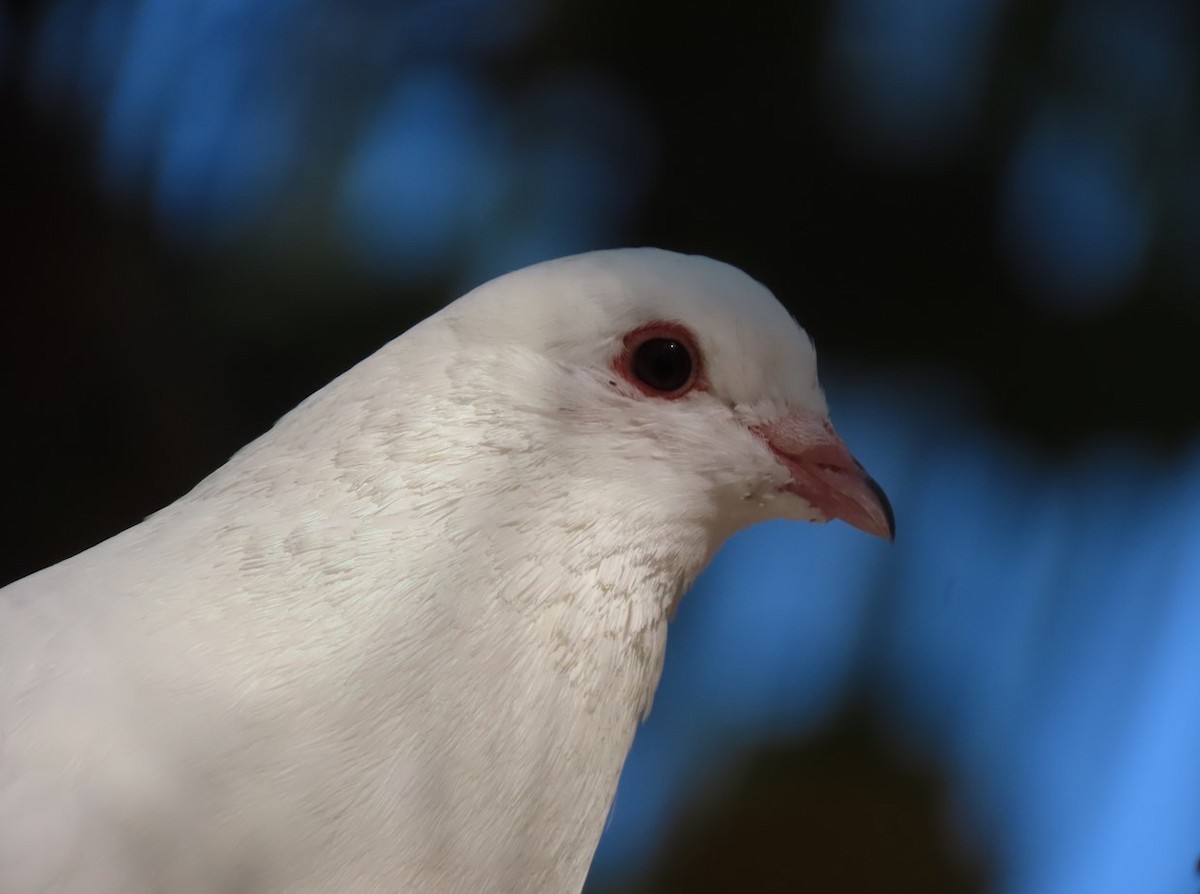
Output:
x=662 y=363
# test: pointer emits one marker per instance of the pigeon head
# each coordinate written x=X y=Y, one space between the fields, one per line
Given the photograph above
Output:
x=677 y=374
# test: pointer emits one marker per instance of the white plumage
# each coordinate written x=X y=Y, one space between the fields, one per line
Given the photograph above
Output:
x=402 y=641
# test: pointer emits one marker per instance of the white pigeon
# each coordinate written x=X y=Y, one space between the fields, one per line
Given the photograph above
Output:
x=402 y=641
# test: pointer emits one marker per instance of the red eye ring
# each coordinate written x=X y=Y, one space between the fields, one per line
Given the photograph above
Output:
x=661 y=360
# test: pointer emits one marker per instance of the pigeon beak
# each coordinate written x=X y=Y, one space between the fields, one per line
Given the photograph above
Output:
x=826 y=476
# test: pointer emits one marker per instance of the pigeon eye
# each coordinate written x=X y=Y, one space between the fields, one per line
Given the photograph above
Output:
x=661 y=360
x=663 y=363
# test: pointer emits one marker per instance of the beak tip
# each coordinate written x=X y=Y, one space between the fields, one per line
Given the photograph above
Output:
x=885 y=506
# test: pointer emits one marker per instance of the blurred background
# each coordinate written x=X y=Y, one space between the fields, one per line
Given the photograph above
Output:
x=986 y=213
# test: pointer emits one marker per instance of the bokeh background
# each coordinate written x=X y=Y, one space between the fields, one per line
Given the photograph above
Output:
x=986 y=213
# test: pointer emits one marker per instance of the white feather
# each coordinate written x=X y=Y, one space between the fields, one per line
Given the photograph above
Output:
x=402 y=641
